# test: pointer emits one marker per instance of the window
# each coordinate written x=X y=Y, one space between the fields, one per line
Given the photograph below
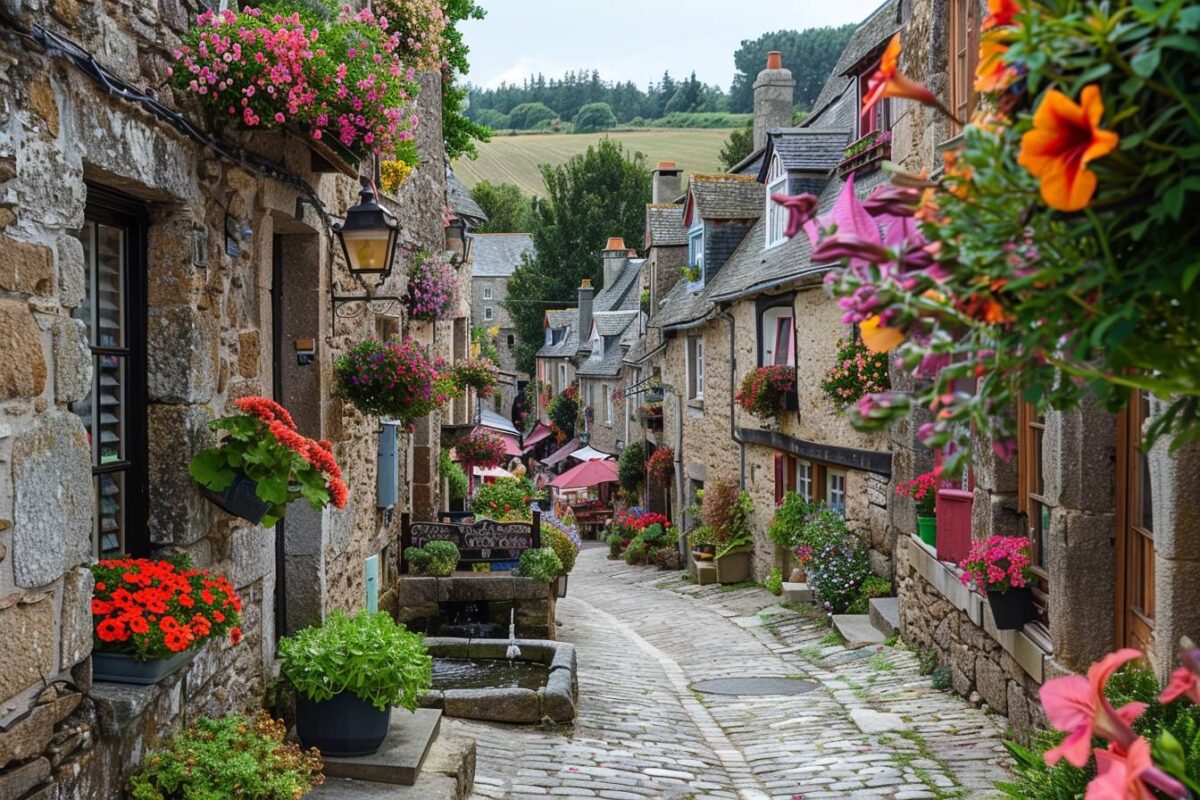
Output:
x=777 y=342
x=487 y=313
x=696 y=250
x=804 y=480
x=512 y=341
x=387 y=327
x=963 y=56
x=590 y=395
x=777 y=215
x=1031 y=498
x=487 y=293
x=695 y=363
x=1135 y=530
x=607 y=393
x=835 y=490
x=114 y=413
x=562 y=377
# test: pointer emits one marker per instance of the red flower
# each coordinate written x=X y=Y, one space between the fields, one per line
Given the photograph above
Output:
x=235 y=635
x=110 y=630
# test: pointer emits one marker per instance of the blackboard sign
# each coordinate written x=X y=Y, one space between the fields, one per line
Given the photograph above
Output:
x=481 y=542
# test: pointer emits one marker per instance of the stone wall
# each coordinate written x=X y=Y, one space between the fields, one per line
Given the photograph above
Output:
x=209 y=341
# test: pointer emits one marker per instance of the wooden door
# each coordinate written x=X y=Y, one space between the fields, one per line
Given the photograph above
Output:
x=1135 y=532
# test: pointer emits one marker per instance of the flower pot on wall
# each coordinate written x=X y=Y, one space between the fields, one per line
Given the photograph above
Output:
x=343 y=726
x=927 y=529
x=735 y=566
x=124 y=668
x=1012 y=609
x=240 y=499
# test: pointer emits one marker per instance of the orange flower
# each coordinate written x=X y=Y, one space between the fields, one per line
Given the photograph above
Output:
x=888 y=81
x=993 y=74
x=1065 y=137
x=879 y=338
x=1001 y=13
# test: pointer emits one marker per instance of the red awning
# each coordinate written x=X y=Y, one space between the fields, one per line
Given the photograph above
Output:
x=562 y=453
x=587 y=474
x=540 y=434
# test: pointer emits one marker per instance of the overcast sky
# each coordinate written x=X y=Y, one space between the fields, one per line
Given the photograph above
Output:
x=634 y=39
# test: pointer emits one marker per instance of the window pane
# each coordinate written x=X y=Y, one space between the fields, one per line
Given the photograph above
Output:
x=783 y=341
x=110 y=295
x=110 y=517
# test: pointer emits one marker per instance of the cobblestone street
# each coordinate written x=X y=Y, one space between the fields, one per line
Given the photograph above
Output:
x=874 y=727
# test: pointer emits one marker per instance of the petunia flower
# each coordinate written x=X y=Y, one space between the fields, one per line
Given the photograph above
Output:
x=1077 y=706
x=1001 y=13
x=878 y=337
x=993 y=73
x=888 y=81
x=1066 y=136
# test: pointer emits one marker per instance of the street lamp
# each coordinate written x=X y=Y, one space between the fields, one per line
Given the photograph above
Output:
x=459 y=239
x=368 y=236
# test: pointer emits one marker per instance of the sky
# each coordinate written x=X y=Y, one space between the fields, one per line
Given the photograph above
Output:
x=634 y=39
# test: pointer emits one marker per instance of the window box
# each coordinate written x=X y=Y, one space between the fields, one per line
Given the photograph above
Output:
x=866 y=154
x=954 y=524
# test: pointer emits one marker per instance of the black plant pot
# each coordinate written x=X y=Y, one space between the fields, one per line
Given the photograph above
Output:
x=342 y=727
x=1011 y=609
x=240 y=500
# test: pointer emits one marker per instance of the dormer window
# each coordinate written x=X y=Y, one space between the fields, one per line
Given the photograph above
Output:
x=777 y=215
x=875 y=118
x=696 y=252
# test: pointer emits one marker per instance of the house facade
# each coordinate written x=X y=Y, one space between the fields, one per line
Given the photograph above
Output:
x=494 y=258
x=147 y=281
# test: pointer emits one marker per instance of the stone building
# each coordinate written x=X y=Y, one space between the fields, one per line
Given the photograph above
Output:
x=148 y=280
x=494 y=258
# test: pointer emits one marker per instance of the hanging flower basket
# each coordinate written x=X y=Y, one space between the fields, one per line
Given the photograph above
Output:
x=661 y=466
x=150 y=617
x=480 y=450
x=263 y=449
x=767 y=392
x=856 y=371
x=480 y=374
x=397 y=380
x=432 y=288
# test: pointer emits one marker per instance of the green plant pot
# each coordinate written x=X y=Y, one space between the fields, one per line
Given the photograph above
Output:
x=927 y=527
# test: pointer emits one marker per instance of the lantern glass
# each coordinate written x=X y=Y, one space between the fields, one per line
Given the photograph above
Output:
x=368 y=250
x=368 y=237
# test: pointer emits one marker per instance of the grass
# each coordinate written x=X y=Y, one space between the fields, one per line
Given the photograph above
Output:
x=831 y=638
x=515 y=159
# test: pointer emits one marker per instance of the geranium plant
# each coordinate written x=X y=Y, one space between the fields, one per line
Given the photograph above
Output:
x=480 y=450
x=997 y=564
x=335 y=72
x=923 y=490
x=506 y=498
x=432 y=288
x=661 y=466
x=1056 y=256
x=481 y=374
x=764 y=391
x=156 y=609
x=263 y=444
x=856 y=371
x=397 y=379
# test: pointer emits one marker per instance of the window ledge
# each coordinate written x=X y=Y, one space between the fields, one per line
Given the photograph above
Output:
x=696 y=403
x=1030 y=651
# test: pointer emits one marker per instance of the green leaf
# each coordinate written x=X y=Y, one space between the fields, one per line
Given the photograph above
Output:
x=1190 y=274
x=211 y=469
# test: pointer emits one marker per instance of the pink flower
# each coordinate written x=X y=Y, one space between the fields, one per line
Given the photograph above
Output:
x=1077 y=706
x=1126 y=775
x=1184 y=680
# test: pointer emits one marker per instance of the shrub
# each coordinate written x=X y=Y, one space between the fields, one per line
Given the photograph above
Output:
x=562 y=411
x=787 y=525
x=614 y=542
x=666 y=558
x=233 y=756
x=631 y=467
x=594 y=117
x=872 y=588
x=529 y=115
x=726 y=513
x=774 y=582
x=856 y=372
x=541 y=564
x=838 y=570
x=562 y=546
x=492 y=119
x=764 y=391
x=823 y=528
x=697 y=119
x=653 y=534
x=635 y=553
x=436 y=559
x=507 y=498
x=398 y=380
x=454 y=474
x=368 y=655
x=433 y=287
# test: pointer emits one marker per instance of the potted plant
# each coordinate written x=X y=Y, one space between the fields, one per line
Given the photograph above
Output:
x=263 y=464
x=923 y=490
x=767 y=391
x=651 y=415
x=197 y=762
x=802 y=556
x=857 y=371
x=397 y=380
x=701 y=543
x=565 y=543
x=1000 y=568
x=787 y=527
x=432 y=288
x=348 y=674
x=661 y=466
x=480 y=374
x=150 y=617
x=435 y=559
x=726 y=512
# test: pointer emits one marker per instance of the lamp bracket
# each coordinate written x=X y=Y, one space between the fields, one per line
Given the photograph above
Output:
x=340 y=301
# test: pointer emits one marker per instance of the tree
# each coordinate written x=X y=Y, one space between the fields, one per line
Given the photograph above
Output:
x=738 y=146
x=595 y=117
x=810 y=54
x=459 y=133
x=528 y=116
x=493 y=119
x=507 y=208
x=593 y=196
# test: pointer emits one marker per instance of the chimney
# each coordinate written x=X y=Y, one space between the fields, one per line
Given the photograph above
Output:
x=667 y=184
x=586 y=293
x=615 y=255
x=774 y=95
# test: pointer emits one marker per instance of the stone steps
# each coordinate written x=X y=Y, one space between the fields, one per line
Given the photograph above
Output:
x=885 y=615
x=797 y=593
x=857 y=630
x=706 y=572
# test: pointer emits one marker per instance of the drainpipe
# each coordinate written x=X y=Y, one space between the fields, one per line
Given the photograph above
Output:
x=733 y=431
x=679 y=479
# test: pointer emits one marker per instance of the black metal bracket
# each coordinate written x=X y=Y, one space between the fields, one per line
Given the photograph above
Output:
x=339 y=301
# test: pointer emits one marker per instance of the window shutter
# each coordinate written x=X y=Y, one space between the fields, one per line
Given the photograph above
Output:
x=780 y=485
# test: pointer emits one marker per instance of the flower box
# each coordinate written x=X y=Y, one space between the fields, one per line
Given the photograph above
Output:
x=124 y=668
x=1011 y=609
x=866 y=154
x=735 y=566
x=767 y=392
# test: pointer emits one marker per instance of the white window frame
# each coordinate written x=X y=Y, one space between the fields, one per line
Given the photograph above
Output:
x=606 y=390
x=772 y=319
x=488 y=314
x=696 y=251
x=806 y=480
x=695 y=367
x=777 y=215
x=834 y=478
x=487 y=293
x=562 y=377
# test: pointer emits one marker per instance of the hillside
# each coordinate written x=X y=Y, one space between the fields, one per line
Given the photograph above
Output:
x=515 y=159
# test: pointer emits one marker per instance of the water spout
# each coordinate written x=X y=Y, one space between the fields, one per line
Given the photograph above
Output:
x=513 y=651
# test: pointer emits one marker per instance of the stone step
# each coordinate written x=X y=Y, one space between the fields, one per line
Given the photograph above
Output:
x=797 y=593
x=399 y=759
x=885 y=615
x=706 y=571
x=857 y=630
x=448 y=774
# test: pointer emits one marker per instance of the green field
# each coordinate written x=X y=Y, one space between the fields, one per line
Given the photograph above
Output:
x=515 y=159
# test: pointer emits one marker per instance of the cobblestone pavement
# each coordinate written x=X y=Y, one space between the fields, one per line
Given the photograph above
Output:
x=873 y=728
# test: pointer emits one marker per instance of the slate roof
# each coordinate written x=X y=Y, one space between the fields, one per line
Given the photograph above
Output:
x=680 y=307
x=458 y=197
x=620 y=296
x=806 y=149
x=664 y=226
x=562 y=318
x=873 y=32
x=497 y=255
x=613 y=323
x=727 y=196
x=603 y=365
